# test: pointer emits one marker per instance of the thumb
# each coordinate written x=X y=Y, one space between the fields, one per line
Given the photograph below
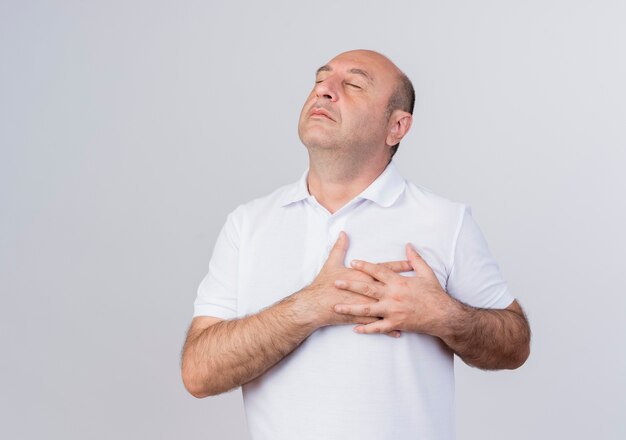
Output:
x=337 y=255
x=415 y=260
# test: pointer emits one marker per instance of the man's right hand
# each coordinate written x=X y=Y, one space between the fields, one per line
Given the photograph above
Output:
x=220 y=355
x=319 y=298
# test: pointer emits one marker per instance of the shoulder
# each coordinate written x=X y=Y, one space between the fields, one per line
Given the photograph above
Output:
x=435 y=205
x=266 y=205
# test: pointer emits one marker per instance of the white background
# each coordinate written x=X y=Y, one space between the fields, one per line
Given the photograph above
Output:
x=129 y=129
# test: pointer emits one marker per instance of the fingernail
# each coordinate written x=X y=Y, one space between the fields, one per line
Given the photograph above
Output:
x=340 y=283
x=355 y=263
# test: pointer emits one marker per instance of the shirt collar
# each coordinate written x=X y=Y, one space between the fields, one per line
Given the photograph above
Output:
x=296 y=192
x=383 y=191
x=387 y=187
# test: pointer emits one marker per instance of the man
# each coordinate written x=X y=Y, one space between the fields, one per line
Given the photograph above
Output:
x=271 y=313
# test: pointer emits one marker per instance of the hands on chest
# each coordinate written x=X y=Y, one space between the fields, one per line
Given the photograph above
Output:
x=376 y=296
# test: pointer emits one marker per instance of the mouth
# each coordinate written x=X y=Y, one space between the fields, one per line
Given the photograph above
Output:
x=320 y=113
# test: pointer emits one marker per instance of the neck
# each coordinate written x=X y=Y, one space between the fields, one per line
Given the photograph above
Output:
x=334 y=181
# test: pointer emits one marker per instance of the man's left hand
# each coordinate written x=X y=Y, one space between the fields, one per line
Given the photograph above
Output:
x=415 y=304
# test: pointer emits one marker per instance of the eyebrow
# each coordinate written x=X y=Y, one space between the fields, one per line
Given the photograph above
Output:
x=323 y=69
x=356 y=71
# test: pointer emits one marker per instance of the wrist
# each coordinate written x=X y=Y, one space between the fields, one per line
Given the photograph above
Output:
x=302 y=309
x=452 y=313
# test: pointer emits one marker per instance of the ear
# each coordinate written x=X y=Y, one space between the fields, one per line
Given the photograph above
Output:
x=399 y=125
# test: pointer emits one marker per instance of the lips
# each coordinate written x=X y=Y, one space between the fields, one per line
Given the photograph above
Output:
x=318 y=111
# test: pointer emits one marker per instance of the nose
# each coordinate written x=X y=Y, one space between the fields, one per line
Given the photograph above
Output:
x=326 y=89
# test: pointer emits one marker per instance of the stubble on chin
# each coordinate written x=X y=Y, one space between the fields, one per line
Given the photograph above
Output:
x=336 y=161
x=317 y=137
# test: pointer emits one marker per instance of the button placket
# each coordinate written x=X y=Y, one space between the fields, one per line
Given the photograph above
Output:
x=322 y=219
x=330 y=227
x=334 y=226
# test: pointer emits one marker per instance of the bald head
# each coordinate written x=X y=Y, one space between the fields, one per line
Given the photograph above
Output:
x=402 y=96
x=360 y=106
x=371 y=57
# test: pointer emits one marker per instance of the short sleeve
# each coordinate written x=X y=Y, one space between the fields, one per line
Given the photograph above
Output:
x=475 y=277
x=217 y=293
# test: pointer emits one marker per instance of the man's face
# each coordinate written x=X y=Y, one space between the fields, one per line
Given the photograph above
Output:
x=347 y=107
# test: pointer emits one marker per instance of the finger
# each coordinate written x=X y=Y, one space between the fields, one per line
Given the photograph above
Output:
x=360 y=319
x=380 y=326
x=337 y=255
x=377 y=271
x=415 y=259
x=371 y=309
x=398 y=266
x=394 y=334
x=362 y=287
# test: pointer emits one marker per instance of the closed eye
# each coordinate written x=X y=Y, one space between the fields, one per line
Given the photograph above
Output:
x=353 y=85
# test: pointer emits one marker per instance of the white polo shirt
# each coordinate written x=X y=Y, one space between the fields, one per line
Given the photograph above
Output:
x=339 y=385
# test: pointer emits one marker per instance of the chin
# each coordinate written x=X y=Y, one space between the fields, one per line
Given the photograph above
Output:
x=318 y=142
x=316 y=138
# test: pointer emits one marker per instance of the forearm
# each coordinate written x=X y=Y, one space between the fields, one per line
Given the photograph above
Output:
x=490 y=339
x=231 y=353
